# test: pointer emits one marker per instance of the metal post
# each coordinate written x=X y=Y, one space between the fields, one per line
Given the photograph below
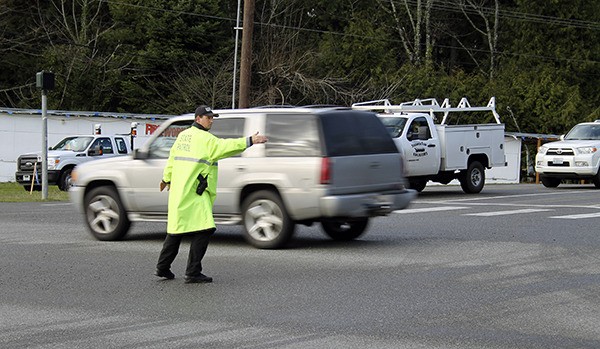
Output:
x=45 y=81
x=44 y=147
x=237 y=29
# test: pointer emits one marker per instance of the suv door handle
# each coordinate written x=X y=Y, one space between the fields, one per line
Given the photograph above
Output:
x=241 y=169
x=375 y=165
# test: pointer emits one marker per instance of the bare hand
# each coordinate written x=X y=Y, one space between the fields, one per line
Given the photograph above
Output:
x=163 y=185
x=257 y=139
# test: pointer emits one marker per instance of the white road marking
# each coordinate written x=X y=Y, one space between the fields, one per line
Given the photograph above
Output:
x=502 y=213
x=578 y=216
x=504 y=196
x=431 y=209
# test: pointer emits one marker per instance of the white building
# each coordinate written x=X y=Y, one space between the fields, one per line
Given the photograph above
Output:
x=21 y=131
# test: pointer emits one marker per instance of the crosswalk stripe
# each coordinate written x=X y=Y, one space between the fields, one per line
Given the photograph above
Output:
x=578 y=216
x=431 y=209
x=502 y=213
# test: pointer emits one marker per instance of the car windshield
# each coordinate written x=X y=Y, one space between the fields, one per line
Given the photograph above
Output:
x=161 y=146
x=394 y=125
x=73 y=143
x=585 y=131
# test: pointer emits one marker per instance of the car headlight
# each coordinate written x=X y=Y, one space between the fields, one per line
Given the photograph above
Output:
x=586 y=150
x=542 y=150
x=52 y=163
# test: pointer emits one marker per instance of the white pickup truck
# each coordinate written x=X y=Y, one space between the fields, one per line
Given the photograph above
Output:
x=442 y=152
x=575 y=156
x=65 y=155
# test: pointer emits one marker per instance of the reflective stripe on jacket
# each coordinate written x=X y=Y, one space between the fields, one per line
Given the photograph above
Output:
x=195 y=152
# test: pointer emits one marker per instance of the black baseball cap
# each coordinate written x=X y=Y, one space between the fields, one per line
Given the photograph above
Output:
x=205 y=110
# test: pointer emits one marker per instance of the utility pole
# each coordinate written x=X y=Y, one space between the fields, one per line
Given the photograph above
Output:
x=237 y=29
x=246 y=64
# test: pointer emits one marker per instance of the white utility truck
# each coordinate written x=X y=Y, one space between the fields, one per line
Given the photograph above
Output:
x=442 y=152
x=575 y=156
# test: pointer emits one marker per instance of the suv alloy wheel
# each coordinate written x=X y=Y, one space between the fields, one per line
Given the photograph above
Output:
x=105 y=215
x=266 y=221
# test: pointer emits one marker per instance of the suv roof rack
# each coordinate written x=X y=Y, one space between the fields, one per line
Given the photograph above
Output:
x=274 y=106
x=324 y=106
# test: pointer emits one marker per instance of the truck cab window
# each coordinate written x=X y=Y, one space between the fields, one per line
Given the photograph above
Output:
x=419 y=129
x=106 y=145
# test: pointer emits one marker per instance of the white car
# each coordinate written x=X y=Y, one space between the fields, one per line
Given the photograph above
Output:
x=576 y=156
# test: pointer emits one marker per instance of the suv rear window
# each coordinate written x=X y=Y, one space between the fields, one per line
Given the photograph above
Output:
x=352 y=132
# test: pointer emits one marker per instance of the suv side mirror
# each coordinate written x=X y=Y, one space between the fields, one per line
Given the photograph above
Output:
x=140 y=154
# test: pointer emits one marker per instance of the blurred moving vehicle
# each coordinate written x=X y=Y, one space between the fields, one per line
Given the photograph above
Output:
x=335 y=166
x=65 y=155
x=442 y=152
x=576 y=156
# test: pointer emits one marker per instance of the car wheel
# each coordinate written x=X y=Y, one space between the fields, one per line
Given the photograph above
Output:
x=266 y=221
x=550 y=182
x=104 y=214
x=473 y=178
x=345 y=230
x=65 y=180
x=417 y=184
x=596 y=180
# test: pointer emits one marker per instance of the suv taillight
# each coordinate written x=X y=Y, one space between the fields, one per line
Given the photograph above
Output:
x=325 y=171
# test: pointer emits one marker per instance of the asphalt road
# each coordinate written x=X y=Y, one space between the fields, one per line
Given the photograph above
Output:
x=516 y=266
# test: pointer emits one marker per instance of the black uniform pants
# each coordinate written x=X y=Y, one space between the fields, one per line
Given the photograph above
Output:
x=198 y=245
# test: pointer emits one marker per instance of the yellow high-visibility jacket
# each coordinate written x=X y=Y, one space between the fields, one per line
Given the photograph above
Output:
x=195 y=151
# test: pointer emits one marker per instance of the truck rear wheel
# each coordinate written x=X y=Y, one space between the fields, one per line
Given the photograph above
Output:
x=345 y=230
x=105 y=215
x=473 y=179
x=266 y=221
x=550 y=182
x=417 y=184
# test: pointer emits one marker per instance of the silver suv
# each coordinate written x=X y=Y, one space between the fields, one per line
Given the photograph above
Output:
x=335 y=166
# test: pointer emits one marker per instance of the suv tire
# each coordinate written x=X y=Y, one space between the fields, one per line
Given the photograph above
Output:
x=596 y=180
x=104 y=214
x=550 y=182
x=342 y=230
x=266 y=222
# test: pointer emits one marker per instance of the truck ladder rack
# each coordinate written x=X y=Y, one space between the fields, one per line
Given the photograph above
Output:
x=428 y=105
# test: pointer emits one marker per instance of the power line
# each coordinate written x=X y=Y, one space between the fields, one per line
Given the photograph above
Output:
x=453 y=6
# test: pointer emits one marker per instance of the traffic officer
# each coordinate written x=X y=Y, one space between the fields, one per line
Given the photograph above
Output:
x=191 y=177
